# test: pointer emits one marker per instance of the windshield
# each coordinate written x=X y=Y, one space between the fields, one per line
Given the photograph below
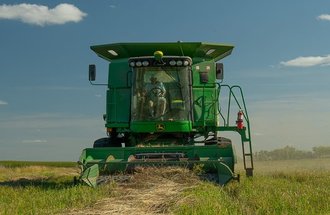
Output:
x=161 y=93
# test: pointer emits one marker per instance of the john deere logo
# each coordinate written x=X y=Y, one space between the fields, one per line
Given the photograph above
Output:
x=160 y=127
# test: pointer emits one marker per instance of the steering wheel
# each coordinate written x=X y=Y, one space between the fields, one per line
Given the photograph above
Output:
x=157 y=91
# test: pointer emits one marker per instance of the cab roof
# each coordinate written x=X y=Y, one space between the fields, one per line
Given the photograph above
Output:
x=203 y=50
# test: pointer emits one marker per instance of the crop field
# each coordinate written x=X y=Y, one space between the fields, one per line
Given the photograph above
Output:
x=278 y=187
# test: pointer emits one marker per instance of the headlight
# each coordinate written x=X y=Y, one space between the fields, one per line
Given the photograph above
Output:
x=145 y=63
x=138 y=63
x=132 y=63
x=172 y=63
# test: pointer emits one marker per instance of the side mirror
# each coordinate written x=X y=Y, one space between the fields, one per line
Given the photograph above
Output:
x=92 y=72
x=219 y=71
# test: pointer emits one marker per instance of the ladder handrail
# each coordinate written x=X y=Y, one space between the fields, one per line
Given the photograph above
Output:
x=246 y=139
x=231 y=93
x=241 y=105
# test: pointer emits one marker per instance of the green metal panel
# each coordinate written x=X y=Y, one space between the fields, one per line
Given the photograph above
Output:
x=205 y=97
x=161 y=126
x=118 y=105
x=198 y=50
x=119 y=74
x=89 y=176
x=205 y=106
x=118 y=94
x=207 y=67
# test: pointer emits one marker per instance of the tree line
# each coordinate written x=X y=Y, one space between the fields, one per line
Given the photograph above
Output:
x=290 y=153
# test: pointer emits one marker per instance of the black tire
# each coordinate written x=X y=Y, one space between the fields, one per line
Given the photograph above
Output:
x=102 y=142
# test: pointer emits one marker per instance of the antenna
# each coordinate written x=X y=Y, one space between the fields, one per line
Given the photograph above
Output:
x=181 y=47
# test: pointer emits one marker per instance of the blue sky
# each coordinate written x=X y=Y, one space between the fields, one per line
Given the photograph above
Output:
x=49 y=111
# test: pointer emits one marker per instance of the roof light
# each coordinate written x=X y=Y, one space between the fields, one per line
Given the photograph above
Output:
x=132 y=63
x=185 y=63
x=138 y=63
x=179 y=63
x=112 y=52
x=145 y=63
x=210 y=51
x=172 y=63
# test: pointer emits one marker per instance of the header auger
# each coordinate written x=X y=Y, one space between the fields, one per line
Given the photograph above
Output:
x=164 y=107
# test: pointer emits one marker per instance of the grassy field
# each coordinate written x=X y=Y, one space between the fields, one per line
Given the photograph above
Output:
x=37 y=189
x=36 y=163
x=278 y=187
x=278 y=193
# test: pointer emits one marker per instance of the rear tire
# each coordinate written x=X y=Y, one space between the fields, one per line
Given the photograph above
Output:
x=107 y=142
x=102 y=142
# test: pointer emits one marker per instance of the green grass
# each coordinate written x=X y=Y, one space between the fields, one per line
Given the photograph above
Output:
x=277 y=194
x=278 y=187
x=37 y=163
x=291 y=191
x=44 y=190
x=46 y=198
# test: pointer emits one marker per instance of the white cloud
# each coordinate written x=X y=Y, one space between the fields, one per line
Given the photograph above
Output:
x=308 y=61
x=41 y=15
x=324 y=17
x=3 y=102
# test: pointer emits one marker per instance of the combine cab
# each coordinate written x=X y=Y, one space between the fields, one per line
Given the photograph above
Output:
x=164 y=107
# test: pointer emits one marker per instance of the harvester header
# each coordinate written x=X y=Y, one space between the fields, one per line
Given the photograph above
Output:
x=164 y=108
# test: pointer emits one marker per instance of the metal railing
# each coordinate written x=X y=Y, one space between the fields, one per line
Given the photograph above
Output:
x=246 y=131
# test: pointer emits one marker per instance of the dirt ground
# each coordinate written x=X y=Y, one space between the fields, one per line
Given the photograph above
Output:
x=149 y=191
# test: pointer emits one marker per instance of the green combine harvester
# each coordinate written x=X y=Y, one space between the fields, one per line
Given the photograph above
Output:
x=166 y=106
